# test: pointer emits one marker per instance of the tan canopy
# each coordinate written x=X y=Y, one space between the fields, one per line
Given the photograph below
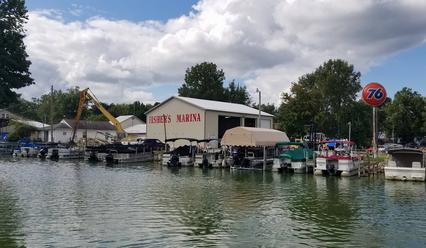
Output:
x=251 y=136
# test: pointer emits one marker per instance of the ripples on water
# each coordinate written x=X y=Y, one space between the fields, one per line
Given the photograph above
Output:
x=71 y=204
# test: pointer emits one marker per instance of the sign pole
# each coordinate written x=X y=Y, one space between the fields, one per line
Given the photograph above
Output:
x=374 y=142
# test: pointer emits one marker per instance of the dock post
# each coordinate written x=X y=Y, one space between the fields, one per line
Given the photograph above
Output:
x=264 y=158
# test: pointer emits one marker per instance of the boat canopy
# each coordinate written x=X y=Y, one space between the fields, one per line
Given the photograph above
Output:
x=251 y=136
x=405 y=150
x=174 y=139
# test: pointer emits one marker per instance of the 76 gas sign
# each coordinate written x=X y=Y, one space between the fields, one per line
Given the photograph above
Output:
x=374 y=94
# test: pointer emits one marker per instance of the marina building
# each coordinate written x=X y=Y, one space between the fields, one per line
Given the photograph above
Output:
x=184 y=117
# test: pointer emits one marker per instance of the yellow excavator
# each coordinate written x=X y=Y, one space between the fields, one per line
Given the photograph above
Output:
x=87 y=94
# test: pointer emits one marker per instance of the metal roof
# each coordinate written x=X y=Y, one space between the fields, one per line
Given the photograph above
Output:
x=35 y=124
x=216 y=106
x=96 y=125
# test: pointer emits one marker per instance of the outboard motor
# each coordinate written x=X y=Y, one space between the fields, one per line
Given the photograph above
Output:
x=55 y=155
x=174 y=161
x=93 y=156
x=109 y=158
x=330 y=169
x=205 y=161
x=43 y=153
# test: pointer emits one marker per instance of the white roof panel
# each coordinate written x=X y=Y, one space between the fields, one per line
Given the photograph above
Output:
x=35 y=124
x=140 y=128
x=122 y=118
x=222 y=106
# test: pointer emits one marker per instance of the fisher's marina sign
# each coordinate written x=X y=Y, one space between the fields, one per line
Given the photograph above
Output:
x=179 y=118
x=374 y=94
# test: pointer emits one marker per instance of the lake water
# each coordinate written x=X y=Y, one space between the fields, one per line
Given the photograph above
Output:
x=75 y=204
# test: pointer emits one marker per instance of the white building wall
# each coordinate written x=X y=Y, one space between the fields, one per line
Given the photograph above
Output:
x=64 y=135
x=178 y=123
x=132 y=121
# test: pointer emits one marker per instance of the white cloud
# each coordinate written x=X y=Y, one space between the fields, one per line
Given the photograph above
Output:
x=267 y=44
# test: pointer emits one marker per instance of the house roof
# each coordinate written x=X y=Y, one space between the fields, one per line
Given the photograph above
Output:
x=140 y=128
x=95 y=125
x=252 y=136
x=122 y=118
x=35 y=124
x=215 y=106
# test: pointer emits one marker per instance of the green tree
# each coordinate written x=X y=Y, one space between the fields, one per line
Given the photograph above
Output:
x=405 y=115
x=24 y=108
x=268 y=108
x=20 y=131
x=65 y=105
x=203 y=81
x=325 y=98
x=14 y=65
x=237 y=94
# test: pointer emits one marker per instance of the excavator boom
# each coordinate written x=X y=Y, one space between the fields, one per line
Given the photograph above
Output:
x=86 y=94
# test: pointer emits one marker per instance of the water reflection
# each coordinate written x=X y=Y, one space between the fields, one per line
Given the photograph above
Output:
x=11 y=234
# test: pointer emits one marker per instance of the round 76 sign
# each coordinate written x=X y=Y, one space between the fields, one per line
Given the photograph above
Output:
x=374 y=94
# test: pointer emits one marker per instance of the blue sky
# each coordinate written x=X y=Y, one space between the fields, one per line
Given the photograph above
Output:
x=270 y=66
x=134 y=10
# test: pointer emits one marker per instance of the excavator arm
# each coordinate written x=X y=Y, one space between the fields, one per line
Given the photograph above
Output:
x=86 y=94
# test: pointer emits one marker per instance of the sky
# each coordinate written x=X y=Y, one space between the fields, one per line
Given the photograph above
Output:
x=132 y=50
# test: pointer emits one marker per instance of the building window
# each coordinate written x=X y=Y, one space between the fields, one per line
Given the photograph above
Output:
x=2 y=116
x=7 y=116
x=64 y=133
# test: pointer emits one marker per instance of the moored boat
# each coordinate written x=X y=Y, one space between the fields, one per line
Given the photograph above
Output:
x=292 y=157
x=406 y=164
x=209 y=155
x=252 y=148
x=181 y=155
x=59 y=153
x=337 y=157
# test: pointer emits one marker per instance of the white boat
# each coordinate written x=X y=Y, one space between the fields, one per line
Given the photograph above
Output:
x=211 y=155
x=406 y=164
x=293 y=157
x=7 y=147
x=119 y=158
x=26 y=151
x=181 y=155
x=57 y=153
x=338 y=159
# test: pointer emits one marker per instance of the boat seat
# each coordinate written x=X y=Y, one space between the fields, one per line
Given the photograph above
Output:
x=416 y=164
x=391 y=163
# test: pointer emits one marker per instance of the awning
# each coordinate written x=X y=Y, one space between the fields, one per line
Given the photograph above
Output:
x=251 y=136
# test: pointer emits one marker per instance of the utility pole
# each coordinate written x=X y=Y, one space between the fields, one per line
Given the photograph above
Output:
x=51 y=114
x=260 y=102
x=164 y=125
